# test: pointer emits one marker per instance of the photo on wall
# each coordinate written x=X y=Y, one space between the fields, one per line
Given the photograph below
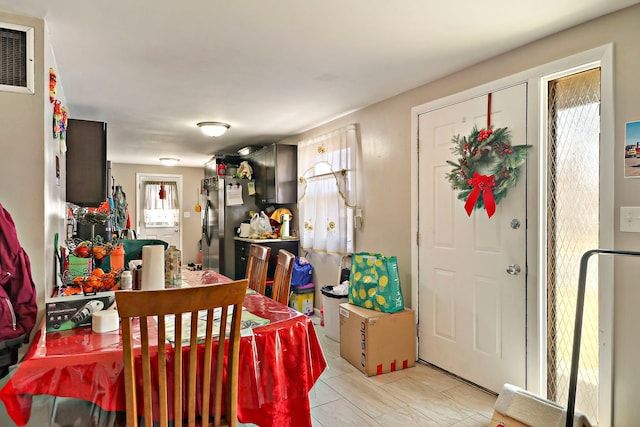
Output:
x=632 y=150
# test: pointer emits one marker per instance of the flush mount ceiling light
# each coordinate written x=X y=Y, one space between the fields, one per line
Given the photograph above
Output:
x=245 y=151
x=213 y=128
x=169 y=161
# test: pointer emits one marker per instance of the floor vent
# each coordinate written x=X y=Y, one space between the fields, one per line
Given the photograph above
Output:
x=16 y=58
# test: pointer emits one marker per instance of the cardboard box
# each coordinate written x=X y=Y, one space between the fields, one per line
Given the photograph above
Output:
x=501 y=420
x=70 y=312
x=375 y=342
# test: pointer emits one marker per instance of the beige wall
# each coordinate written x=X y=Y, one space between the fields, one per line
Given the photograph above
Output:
x=29 y=189
x=385 y=172
x=125 y=175
x=384 y=179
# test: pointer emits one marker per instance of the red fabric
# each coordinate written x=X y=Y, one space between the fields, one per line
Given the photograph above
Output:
x=16 y=283
x=279 y=364
x=489 y=111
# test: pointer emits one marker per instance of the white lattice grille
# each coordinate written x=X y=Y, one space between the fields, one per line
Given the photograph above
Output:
x=573 y=206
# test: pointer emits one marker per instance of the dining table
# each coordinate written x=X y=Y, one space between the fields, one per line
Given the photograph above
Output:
x=280 y=359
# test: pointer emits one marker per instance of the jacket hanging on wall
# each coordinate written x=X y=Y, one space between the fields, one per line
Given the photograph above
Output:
x=18 y=306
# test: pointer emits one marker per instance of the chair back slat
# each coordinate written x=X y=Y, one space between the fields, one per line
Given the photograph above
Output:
x=195 y=396
x=257 y=266
x=162 y=372
x=282 y=277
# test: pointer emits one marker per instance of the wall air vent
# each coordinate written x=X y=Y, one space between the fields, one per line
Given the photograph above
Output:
x=16 y=58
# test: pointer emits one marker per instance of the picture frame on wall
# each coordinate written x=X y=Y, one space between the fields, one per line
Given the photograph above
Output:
x=632 y=150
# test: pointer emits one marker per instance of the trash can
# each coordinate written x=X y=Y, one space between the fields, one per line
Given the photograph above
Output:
x=331 y=303
x=302 y=298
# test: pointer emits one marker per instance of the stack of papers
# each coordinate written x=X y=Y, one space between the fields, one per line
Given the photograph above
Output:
x=249 y=321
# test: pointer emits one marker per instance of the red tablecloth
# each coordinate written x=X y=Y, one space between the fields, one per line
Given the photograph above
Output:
x=279 y=363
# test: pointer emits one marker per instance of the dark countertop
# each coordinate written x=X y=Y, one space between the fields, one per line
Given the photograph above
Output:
x=246 y=239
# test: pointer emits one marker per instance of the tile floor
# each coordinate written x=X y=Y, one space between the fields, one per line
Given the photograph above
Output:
x=419 y=396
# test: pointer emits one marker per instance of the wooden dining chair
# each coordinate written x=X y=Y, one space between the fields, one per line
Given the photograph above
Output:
x=184 y=304
x=282 y=277
x=257 y=266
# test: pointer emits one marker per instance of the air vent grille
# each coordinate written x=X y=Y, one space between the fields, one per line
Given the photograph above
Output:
x=13 y=57
x=16 y=58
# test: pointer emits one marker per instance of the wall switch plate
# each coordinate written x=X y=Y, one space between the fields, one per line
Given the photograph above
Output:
x=630 y=219
x=358 y=220
x=187 y=214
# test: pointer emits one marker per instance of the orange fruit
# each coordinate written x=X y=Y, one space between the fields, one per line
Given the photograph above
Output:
x=98 y=272
x=98 y=252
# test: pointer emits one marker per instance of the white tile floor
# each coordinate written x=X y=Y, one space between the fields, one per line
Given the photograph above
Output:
x=419 y=396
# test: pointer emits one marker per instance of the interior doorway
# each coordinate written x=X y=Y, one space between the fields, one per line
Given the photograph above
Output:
x=159 y=208
x=538 y=229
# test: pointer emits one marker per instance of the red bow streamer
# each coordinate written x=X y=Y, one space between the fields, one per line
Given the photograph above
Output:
x=489 y=111
x=481 y=184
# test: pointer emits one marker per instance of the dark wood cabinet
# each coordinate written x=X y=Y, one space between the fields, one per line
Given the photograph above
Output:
x=242 y=254
x=275 y=169
x=86 y=162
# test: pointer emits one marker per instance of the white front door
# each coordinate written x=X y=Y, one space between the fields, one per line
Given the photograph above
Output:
x=170 y=233
x=472 y=313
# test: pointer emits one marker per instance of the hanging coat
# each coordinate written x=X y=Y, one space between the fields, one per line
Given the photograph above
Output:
x=18 y=306
x=120 y=211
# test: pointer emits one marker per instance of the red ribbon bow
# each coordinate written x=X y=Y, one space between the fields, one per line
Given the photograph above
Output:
x=481 y=184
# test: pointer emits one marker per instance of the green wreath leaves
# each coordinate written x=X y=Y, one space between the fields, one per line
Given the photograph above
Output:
x=487 y=152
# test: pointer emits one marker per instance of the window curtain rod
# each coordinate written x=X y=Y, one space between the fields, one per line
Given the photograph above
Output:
x=341 y=172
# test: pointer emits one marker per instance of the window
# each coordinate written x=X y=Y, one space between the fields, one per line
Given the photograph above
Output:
x=161 y=206
x=327 y=191
x=573 y=186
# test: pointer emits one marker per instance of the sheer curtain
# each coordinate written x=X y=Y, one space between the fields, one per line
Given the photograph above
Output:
x=327 y=191
x=161 y=211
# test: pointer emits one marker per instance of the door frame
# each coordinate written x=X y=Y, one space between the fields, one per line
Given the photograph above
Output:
x=140 y=176
x=536 y=175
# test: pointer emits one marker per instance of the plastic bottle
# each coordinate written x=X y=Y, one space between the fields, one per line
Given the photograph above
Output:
x=126 y=281
x=284 y=228
x=116 y=258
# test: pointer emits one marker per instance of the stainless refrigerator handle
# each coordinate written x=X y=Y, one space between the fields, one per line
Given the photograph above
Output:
x=205 y=223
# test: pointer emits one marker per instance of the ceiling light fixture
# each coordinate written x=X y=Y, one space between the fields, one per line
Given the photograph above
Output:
x=169 y=161
x=245 y=151
x=213 y=128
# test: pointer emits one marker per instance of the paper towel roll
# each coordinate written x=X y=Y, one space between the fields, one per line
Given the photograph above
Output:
x=152 y=267
x=105 y=321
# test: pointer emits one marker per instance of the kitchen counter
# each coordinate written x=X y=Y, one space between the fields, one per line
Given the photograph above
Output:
x=248 y=240
x=243 y=247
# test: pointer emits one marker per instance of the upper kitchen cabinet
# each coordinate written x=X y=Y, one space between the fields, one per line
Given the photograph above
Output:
x=86 y=162
x=275 y=169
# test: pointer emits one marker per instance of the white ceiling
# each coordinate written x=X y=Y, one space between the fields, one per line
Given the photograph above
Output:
x=152 y=69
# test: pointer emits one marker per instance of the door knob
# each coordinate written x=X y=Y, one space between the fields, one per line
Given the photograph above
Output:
x=514 y=269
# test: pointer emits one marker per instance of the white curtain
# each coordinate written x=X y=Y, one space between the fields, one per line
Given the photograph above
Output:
x=161 y=212
x=327 y=191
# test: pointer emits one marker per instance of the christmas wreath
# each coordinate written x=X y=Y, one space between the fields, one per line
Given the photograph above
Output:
x=488 y=165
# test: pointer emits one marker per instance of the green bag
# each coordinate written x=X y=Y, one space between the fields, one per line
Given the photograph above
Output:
x=374 y=282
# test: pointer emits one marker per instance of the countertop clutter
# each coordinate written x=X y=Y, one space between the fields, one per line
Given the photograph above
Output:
x=250 y=240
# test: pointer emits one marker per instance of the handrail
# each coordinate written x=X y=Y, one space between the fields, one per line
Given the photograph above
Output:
x=577 y=331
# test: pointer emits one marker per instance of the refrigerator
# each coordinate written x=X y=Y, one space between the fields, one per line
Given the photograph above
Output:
x=226 y=204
